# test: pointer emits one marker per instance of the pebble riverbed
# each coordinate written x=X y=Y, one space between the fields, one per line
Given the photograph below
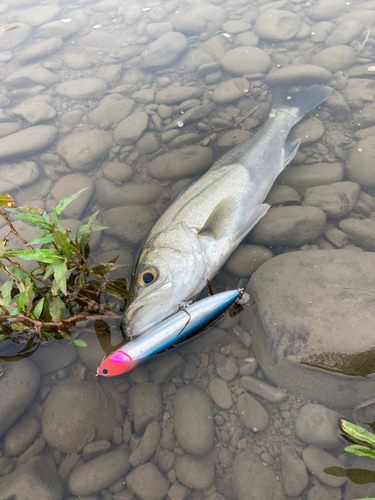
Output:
x=125 y=98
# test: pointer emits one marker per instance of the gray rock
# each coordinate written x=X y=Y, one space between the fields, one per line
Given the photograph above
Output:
x=111 y=73
x=163 y=51
x=61 y=29
x=195 y=17
x=165 y=367
x=220 y=393
x=39 y=50
x=277 y=25
x=336 y=237
x=31 y=75
x=156 y=30
x=353 y=490
x=226 y=367
x=316 y=281
x=318 y=174
x=33 y=450
x=35 y=480
x=252 y=480
x=248 y=38
x=337 y=58
x=92 y=355
x=293 y=471
x=27 y=141
x=84 y=150
x=359 y=167
x=99 y=473
x=84 y=88
x=282 y=195
x=7 y=128
x=146 y=403
x=361 y=231
x=263 y=389
x=320 y=31
x=18 y=386
x=186 y=162
x=111 y=109
x=344 y=33
x=235 y=27
x=144 y=96
x=7 y=465
x=147 y=144
x=52 y=356
x=96 y=448
x=318 y=426
x=22 y=174
x=129 y=224
x=254 y=416
x=193 y=420
x=74 y=414
x=20 y=436
x=110 y=196
x=289 y=226
x=38 y=15
x=176 y=95
x=246 y=259
x=147 y=446
x=230 y=90
x=299 y=74
x=309 y=131
x=316 y=460
x=76 y=60
x=130 y=129
x=195 y=472
x=147 y=482
x=69 y=185
x=116 y=171
x=321 y=492
x=328 y=9
x=13 y=35
x=35 y=111
x=336 y=200
x=245 y=60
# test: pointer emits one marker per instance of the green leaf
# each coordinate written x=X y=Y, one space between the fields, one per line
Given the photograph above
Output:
x=360 y=451
x=89 y=228
x=45 y=238
x=60 y=275
x=61 y=235
x=56 y=308
x=66 y=201
x=6 y=290
x=26 y=298
x=102 y=269
x=45 y=256
x=49 y=270
x=38 y=309
x=6 y=200
x=64 y=334
x=17 y=273
x=80 y=343
x=29 y=218
x=3 y=336
x=15 y=311
x=93 y=217
x=357 y=432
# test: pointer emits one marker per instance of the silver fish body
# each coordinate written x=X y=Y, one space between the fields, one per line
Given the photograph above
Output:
x=206 y=222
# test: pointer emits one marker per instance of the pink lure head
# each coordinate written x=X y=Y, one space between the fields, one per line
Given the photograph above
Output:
x=116 y=363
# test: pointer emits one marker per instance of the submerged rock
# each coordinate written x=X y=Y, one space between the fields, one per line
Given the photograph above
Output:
x=163 y=51
x=27 y=141
x=328 y=291
x=84 y=150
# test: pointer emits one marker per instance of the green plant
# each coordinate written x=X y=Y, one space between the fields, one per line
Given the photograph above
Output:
x=63 y=290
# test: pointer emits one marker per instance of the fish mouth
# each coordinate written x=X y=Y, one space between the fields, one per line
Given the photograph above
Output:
x=132 y=310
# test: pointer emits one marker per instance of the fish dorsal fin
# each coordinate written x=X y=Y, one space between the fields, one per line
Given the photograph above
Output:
x=220 y=219
x=219 y=151
x=290 y=150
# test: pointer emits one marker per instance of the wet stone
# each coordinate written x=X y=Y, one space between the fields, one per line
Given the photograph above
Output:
x=186 y=162
x=176 y=95
x=337 y=58
x=147 y=446
x=76 y=60
x=177 y=491
x=195 y=472
x=226 y=367
x=316 y=460
x=163 y=51
x=84 y=88
x=360 y=162
x=361 y=231
x=246 y=259
x=328 y=9
x=38 y=15
x=336 y=237
x=39 y=50
x=220 y=393
x=145 y=401
x=277 y=25
x=317 y=425
x=299 y=74
x=20 y=175
x=344 y=33
x=309 y=131
x=84 y=150
x=129 y=224
x=52 y=356
x=111 y=73
x=147 y=482
x=289 y=226
x=235 y=27
x=302 y=177
x=116 y=171
x=35 y=111
x=130 y=129
x=245 y=60
x=18 y=386
x=21 y=435
x=336 y=200
x=193 y=421
x=110 y=196
x=111 y=109
x=28 y=76
x=95 y=449
x=263 y=389
x=7 y=128
x=194 y=18
x=321 y=492
x=59 y=28
x=293 y=470
x=253 y=415
x=156 y=30
x=11 y=38
x=165 y=367
x=248 y=38
x=230 y=91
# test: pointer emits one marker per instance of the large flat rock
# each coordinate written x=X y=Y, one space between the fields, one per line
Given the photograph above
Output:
x=313 y=324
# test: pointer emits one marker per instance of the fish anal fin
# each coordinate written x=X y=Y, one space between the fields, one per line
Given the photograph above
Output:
x=290 y=150
x=254 y=217
x=219 y=220
x=219 y=151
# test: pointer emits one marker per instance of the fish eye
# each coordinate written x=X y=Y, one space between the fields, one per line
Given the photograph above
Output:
x=146 y=277
x=105 y=371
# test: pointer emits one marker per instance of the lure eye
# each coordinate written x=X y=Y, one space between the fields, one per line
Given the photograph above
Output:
x=105 y=371
x=146 y=277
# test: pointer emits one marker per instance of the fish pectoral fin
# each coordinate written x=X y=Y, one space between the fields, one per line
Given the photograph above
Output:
x=219 y=220
x=219 y=151
x=254 y=217
x=290 y=150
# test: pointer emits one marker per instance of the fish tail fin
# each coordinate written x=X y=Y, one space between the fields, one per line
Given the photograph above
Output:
x=297 y=104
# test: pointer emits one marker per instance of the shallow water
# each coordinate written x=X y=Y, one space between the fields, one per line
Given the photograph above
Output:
x=125 y=98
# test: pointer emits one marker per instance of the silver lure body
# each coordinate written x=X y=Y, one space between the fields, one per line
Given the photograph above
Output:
x=208 y=220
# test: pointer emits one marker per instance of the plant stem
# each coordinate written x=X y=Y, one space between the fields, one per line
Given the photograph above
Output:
x=57 y=324
x=15 y=264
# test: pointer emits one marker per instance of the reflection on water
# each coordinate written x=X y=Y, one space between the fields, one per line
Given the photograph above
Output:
x=124 y=98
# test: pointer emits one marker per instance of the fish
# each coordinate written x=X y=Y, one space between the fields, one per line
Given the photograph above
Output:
x=179 y=327
x=211 y=216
